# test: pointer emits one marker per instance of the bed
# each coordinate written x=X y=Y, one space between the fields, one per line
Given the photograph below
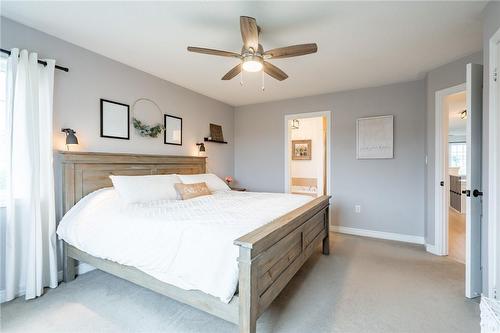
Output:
x=267 y=256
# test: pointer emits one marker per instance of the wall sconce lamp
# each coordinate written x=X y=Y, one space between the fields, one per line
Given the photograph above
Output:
x=463 y=114
x=71 y=138
x=201 y=149
x=295 y=124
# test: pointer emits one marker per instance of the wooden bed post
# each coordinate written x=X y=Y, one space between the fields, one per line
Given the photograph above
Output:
x=248 y=305
x=326 y=240
x=68 y=265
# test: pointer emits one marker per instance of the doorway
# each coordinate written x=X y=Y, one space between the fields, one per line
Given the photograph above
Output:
x=307 y=153
x=458 y=176
x=455 y=106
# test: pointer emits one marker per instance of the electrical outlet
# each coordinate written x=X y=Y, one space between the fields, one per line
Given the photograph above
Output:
x=357 y=208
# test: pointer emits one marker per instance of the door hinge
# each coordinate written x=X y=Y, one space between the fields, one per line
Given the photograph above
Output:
x=495 y=75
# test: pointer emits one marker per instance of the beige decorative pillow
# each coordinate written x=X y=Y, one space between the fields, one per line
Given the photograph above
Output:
x=190 y=191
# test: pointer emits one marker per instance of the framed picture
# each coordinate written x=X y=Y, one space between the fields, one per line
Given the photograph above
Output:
x=216 y=132
x=375 y=137
x=173 y=130
x=115 y=120
x=301 y=150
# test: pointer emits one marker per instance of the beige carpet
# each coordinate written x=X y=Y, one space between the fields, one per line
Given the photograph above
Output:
x=365 y=285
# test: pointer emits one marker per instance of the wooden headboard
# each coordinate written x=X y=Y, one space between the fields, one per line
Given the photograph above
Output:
x=84 y=172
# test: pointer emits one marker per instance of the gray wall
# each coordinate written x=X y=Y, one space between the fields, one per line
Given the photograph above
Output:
x=390 y=192
x=446 y=76
x=491 y=23
x=92 y=76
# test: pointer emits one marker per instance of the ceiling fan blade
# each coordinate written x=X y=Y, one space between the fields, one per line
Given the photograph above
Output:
x=274 y=71
x=232 y=73
x=213 y=52
x=292 y=51
x=249 y=32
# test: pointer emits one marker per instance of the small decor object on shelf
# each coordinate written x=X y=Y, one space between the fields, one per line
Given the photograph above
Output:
x=173 y=130
x=115 y=120
x=144 y=129
x=301 y=150
x=229 y=180
x=216 y=133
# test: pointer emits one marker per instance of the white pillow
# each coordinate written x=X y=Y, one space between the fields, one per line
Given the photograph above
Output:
x=213 y=182
x=134 y=189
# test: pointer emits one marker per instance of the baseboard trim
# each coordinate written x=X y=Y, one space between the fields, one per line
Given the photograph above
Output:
x=432 y=249
x=379 y=234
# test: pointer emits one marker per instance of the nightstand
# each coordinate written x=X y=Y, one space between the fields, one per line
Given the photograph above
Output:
x=239 y=189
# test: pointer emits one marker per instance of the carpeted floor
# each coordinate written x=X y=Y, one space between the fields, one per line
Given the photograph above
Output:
x=365 y=285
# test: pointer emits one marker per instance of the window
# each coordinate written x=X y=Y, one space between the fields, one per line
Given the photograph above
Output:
x=3 y=131
x=458 y=156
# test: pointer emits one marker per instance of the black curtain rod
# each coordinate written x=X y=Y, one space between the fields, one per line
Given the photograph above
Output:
x=41 y=62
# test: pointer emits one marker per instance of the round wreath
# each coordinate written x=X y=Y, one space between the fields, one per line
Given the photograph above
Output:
x=144 y=129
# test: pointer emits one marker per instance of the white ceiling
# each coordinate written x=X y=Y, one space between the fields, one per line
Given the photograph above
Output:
x=361 y=44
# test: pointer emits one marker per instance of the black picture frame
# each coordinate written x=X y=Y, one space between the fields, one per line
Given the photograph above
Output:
x=165 y=117
x=103 y=135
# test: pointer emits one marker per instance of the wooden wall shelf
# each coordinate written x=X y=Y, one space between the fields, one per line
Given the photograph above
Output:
x=216 y=141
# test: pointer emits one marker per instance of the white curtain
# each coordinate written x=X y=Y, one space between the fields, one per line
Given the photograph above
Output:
x=31 y=260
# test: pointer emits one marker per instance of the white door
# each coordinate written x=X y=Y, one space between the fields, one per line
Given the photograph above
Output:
x=496 y=240
x=473 y=276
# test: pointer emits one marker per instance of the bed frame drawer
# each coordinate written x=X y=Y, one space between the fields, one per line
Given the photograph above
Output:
x=274 y=265
x=314 y=227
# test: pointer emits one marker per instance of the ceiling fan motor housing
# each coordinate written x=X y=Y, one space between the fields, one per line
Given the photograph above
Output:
x=249 y=51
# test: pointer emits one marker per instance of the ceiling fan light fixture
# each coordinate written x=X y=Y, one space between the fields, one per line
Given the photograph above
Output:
x=252 y=63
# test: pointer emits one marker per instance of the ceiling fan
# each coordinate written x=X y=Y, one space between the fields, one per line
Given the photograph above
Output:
x=252 y=56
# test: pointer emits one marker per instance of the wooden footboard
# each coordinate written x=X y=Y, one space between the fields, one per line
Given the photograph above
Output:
x=271 y=255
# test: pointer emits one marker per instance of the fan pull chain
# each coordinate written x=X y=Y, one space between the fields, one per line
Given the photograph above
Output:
x=263 y=83
x=241 y=78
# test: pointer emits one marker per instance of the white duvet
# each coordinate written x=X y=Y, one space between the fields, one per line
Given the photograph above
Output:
x=188 y=244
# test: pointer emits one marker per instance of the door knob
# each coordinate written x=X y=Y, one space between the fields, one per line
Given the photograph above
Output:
x=477 y=193
x=466 y=192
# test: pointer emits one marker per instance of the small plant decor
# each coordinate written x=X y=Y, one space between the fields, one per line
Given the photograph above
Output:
x=146 y=130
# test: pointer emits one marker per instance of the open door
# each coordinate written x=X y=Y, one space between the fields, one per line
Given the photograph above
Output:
x=473 y=276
